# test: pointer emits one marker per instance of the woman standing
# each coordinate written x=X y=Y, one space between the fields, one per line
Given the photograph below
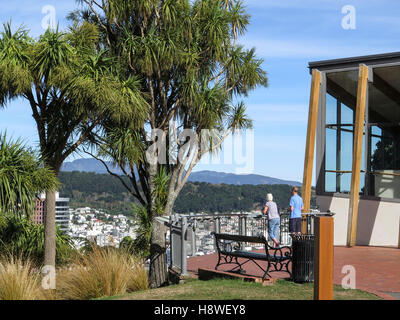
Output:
x=274 y=220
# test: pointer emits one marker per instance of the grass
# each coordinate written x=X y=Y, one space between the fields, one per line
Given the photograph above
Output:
x=19 y=280
x=102 y=272
x=222 y=289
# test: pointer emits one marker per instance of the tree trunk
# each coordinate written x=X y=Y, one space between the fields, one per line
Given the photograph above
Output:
x=50 y=230
x=158 y=274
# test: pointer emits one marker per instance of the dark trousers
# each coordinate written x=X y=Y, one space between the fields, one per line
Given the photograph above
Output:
x=295 y=225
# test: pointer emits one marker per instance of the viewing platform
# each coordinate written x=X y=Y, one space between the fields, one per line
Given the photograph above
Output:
x=377 y=268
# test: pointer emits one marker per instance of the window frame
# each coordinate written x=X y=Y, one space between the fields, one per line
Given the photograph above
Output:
x=321 y=143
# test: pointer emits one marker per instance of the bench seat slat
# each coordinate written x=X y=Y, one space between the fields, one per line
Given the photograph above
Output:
x=254 y=255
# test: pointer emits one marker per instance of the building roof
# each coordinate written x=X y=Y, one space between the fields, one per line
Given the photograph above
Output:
x=384 y=58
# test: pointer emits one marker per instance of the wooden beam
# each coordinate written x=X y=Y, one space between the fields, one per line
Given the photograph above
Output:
x=323 y=266
x=310 y=142
x=357 y=155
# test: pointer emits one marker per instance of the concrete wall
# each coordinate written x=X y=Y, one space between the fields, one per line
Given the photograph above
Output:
x=378 y=221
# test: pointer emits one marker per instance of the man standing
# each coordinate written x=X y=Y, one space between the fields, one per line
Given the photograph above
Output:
x=296 y=205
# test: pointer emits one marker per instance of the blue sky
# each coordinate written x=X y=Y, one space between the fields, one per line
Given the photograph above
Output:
x=287 y=34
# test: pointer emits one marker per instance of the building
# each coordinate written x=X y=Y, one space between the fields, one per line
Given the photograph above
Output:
x=355 y=117
x=62 y=211
x=38 y=217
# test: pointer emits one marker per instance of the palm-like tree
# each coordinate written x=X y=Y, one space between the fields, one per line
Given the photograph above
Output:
x=22 y=177
x=71 y=88
x=185 y=56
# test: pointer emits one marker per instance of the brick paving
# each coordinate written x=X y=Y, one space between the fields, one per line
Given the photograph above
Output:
x=377 y=268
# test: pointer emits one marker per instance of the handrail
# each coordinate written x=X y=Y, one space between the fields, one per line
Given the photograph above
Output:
x=252 y=215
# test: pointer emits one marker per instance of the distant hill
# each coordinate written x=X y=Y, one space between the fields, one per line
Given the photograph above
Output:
x=103 y=191
x=213 y=177
x=88 y=165
x=236 y=179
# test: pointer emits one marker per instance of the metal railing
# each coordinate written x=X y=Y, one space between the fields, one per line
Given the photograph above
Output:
x=190 y=235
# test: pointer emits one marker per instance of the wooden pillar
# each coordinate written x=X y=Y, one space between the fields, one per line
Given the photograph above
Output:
x=357 y=155
x=310 y=143
x=323 y=266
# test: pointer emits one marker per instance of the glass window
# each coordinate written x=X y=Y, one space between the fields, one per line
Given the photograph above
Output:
x=384 y=133
x=330 y=162
x=330 y=182
x=340 y=105
x=331 y=109
x=380 y=165
x=347 y=114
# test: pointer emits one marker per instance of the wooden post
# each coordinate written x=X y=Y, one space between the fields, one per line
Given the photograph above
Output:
x=357 y=155
x=323 y=265
x=310 y=143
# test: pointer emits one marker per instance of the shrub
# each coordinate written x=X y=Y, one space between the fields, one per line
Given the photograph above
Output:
x=101 y=272
x=21 y=237
x=19 y=280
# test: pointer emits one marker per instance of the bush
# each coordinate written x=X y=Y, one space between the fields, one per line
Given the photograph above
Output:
x=18 y=280
x=102 y=272
x=22 y=238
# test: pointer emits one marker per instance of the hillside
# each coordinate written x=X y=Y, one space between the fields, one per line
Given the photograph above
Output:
x=106 y=192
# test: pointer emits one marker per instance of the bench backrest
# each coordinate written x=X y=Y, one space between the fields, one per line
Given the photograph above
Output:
x=239 y=238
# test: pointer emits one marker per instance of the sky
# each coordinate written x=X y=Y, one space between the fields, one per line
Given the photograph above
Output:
x=287 y=35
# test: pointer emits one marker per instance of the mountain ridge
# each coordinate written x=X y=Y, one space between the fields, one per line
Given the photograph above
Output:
x=208 y=176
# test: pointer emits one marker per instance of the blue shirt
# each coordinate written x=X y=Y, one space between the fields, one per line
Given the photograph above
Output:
x=297 y=203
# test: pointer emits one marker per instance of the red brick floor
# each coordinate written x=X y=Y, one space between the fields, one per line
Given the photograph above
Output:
x=377 y=269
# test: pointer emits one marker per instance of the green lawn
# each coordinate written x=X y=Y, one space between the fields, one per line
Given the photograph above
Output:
x=222 y=289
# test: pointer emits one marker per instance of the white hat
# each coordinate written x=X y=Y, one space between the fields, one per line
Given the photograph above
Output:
x=269 y=197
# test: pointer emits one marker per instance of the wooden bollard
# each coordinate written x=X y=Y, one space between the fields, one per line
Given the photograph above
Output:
x=323 y=272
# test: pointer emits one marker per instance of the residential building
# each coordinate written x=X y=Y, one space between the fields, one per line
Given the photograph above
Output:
x=62 y=211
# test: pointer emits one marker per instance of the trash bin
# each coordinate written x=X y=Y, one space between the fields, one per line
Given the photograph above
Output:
x=303 y=258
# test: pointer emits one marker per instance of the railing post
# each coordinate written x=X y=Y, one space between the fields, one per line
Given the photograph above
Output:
x=216 y=230
x=194 y=249
x=183 y=246
x=242 y=229
x=171 y=221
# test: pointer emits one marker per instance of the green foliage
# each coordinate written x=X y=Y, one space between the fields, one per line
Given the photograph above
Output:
x=209 y=198
x=70 y=84
x=20 y=237
x=161 y=190
x=84 y=189
x=99 y=191
x=141 y=245
x=127 y=244
x=185 y=58
x=22 y=176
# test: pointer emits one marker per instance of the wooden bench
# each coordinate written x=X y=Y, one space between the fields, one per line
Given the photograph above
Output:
x=229 y=251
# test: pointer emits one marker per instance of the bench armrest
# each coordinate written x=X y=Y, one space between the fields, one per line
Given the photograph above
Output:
x=284 y=251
